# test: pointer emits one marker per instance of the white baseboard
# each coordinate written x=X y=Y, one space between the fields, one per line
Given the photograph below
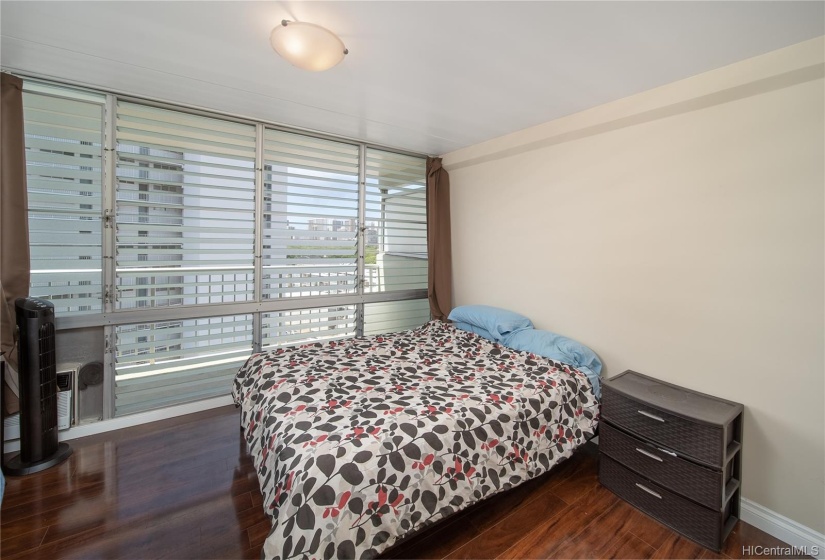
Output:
x=784 y=529
x=132 y=420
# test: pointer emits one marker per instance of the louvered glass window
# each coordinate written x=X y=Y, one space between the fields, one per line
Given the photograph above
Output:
x=182 y=205
x=170 y=362
x=310 y=216
x=185 y=208
x=395 y=237
x=64 y=149
x=392 y=316
x=288 y=328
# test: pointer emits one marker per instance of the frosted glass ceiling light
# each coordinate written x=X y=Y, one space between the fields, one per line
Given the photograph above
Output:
x=307 y=45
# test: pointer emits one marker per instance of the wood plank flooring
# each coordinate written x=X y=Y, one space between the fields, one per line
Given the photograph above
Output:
x=186 y=488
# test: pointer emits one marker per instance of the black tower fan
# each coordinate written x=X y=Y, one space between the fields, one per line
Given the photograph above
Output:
x=39 y=448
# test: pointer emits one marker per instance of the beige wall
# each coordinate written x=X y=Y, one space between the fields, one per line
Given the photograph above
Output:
x=681 y=233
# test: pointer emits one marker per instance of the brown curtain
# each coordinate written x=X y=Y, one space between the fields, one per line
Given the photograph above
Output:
x=14 y=229
x=439 y=245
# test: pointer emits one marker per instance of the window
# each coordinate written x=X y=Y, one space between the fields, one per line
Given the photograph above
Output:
x=64 y=152
x=170 y=362
x=310 y=216
x=392 y=316
x=287 y=237
x=185 y=209
x=287 y=328
x=396 y=222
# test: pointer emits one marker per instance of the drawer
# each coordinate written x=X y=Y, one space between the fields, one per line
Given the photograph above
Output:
x=698 y=523
x=698 y=483
x=699 y=441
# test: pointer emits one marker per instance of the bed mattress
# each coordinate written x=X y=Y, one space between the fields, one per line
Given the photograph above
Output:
x=360 y=442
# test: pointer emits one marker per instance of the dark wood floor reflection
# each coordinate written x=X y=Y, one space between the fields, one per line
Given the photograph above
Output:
x=185 y=488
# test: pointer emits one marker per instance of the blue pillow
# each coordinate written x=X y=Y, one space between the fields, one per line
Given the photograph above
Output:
x=559 y=348
x=473 y=329
x=497 y=322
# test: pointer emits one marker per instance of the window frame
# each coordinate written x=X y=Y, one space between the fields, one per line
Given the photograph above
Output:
x=46 y=91
x=111 y=317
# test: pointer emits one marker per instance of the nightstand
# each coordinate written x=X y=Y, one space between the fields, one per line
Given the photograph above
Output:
x=673 y=453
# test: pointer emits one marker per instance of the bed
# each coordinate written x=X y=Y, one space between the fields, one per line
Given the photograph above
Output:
x=360 y=442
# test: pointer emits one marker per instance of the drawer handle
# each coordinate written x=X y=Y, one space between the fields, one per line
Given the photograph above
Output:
x=671 y=453
x=649 y=454
x=653 y=416
x=649 y=491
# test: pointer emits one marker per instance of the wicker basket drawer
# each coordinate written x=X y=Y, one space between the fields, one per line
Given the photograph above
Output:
x=699 y=441
x=698 y=483
x=703 y=525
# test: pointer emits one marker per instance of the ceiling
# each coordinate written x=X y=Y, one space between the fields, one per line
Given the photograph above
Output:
x=429 y=77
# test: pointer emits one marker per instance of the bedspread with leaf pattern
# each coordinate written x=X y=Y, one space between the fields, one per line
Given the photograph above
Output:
x=359 y=442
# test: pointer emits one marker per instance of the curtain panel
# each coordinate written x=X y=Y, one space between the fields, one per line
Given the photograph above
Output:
x=14 y=230
x=439 y=244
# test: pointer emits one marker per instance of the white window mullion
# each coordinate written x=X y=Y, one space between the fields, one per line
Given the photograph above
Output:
x=109 y=240
x=362 y=189
x=257 y=334
x=109 y=361
x=109 y=223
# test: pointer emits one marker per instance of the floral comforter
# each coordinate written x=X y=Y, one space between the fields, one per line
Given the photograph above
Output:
x=359 y=442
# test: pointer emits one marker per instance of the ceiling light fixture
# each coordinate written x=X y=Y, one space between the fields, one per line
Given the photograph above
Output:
x=307 y=45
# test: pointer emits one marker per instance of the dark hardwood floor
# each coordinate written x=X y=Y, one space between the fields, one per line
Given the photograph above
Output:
x=185 y=488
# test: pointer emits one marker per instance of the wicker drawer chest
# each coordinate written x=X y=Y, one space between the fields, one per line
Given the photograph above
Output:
x=673 y=453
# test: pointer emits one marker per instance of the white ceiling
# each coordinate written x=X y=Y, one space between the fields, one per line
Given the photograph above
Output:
x=425 y=76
